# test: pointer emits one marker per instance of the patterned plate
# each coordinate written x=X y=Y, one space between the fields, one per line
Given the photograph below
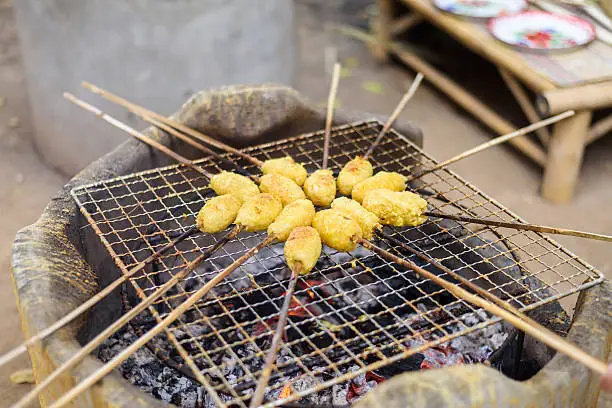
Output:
x=542 y=31
x=481 y=8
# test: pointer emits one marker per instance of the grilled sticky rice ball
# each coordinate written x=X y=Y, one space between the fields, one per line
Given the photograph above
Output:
x=231 y=183
x=282 y=187
x=401 y=209
x=351 y=208
x=303 y=249
x=287 y=167
x=297 y=214
x=352 y=173
x=218 y=213
x=320 y=187
x=383 y=179
x=336 y=229
x=258 y=212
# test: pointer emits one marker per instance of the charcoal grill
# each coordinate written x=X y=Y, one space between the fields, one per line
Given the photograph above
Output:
x=59 y=261
x=223 y=338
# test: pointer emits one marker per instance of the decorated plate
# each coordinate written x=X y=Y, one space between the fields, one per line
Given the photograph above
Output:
x=481 y=8
x=542 y=31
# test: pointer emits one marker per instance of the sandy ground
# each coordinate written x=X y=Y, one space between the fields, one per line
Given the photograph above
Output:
x=26 y=184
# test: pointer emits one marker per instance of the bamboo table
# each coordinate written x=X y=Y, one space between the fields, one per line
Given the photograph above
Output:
x=580 y=80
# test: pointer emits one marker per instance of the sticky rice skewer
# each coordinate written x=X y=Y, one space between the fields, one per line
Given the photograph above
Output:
x=304 y=242
x=360 y=168
x=319 y=190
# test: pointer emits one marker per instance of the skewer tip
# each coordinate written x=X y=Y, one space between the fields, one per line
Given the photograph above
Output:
x=90 y=86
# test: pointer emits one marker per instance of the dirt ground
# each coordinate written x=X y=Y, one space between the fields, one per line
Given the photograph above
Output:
x=26 y=184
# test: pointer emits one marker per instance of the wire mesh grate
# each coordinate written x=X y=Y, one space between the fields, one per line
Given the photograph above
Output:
x=355 y=312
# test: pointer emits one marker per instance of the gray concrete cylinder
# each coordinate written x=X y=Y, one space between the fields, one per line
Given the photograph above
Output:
x=153 y=52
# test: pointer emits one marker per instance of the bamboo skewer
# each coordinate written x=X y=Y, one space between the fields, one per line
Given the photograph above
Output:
x=266 y=371
x=495 y=142
x=173 y=132
x=143 y=112
x=482 y=292
x=331 y=101
x=91 y=301
x=138 y=135
x=175 y=314
x=519 y=226
x=110 y=330
x=537 y=331
x=398 y=109
x=264 y=376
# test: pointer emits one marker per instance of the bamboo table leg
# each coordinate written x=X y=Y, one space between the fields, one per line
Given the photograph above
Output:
x=565 y=157
x=382 y=30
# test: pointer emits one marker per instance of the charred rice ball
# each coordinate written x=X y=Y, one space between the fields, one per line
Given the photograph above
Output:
x=287 y=167
x=297 y=214
x=401 y=209
x=337 y=230
x=303 y=249
x=352 y=173
x=320 y=187
x=351 y=208
x=231 y=183
x=218 y=213
x=282 y=187
x=258 y=212
x=383 y=179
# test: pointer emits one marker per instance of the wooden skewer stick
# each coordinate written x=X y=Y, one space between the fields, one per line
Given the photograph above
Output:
x=172 y=131
x=519 y=226
x=91 y=301
x=482 y=292
x=264 y=376
x=133 y=132
x=495 y=142
x=398 y=109
x=537 y=331
x=144 y=112
x=144 y=339
x=331 y=101
x=154 y=144
x=110 y=330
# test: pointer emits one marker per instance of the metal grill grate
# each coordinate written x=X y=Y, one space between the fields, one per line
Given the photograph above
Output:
x=357 y=312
